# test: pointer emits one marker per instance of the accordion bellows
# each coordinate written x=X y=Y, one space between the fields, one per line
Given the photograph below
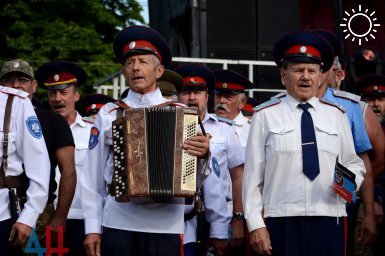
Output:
x=149 y=159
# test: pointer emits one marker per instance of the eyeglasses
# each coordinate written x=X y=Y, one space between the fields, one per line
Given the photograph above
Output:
x=12 y=80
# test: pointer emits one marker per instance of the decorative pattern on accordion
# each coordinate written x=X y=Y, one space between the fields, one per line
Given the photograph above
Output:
x=149 y=159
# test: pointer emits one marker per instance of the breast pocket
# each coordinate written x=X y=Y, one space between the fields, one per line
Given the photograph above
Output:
x=81 y=150
x=218 y=146
x=282 y=139
x=328 y=139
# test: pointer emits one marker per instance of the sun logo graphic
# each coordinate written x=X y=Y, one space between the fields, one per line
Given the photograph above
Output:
x=360 y=25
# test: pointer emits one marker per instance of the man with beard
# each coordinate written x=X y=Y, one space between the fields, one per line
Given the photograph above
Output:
x=61 y=79
x=225 y=147
x=230 y=98
x=372 y=90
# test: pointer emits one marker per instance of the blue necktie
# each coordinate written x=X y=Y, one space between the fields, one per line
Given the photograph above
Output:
x=309 y=144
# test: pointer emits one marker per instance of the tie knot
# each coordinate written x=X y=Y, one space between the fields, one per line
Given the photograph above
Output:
x=304 y=106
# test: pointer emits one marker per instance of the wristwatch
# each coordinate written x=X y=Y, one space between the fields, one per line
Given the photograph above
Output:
x=238 y=216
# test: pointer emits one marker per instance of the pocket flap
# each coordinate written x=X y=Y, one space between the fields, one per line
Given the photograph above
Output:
x=282 y=129
x=327 y=129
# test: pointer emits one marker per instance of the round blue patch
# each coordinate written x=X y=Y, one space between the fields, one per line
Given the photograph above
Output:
x=94 y=138
x=34 y=127
x=216 y=168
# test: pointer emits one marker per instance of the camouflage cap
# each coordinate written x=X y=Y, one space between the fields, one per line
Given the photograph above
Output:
x=16 y=66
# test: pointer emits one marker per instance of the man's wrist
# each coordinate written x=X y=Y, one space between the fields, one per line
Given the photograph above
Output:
x=239 y=216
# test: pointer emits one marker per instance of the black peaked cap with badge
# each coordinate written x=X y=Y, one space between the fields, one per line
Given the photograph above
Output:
x=136 y=40
x=170 y=83
x=371 y=86
x=232 y=82
x=304 y=47
x=196 y=77
x=92 y=103
x=59 y=74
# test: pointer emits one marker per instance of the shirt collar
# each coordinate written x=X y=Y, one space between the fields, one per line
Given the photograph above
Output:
x=293 y=103
x=135 y=100
x=240 y=119
x=78 y=121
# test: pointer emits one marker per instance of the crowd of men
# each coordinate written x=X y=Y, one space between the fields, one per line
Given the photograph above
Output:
x=272 y=179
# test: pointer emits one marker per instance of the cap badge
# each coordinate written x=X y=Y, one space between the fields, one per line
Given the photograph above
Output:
x=132 y=45
x=93 y=106
x=375 y=88
x=56 y=77
x=192 y=80
x=16 y=64
x=224 y=85
x=303 y=49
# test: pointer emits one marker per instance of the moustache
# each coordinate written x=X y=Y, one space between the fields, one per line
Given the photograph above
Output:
x=221 y=106
x=56 y=106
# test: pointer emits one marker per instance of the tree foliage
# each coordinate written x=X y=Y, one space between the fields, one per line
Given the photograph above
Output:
x=81 y=31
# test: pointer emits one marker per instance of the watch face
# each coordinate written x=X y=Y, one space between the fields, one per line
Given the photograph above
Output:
x=238 y=216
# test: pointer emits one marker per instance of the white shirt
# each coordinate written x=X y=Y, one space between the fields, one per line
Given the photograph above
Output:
x=242 y=126
x=273 y=179
x=100 y=209
x=226 y=150
x=225 y=147
x=26 y=146
x=81 y=133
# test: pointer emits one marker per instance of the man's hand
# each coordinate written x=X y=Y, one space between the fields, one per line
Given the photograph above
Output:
x=92 y=244
x=197 y=145
x=260 y=241
x=368 y=230
x=378 y=213
x=221 y=246
x=54 y=224
x=238 y=234
x=20 y=233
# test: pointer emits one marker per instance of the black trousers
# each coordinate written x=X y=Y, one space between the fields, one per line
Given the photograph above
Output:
x=5 y=245
x=74 y=237
x=310 y=235
x=116 y=242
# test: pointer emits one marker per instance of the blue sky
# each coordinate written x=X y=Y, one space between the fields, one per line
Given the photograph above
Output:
x=144 y=4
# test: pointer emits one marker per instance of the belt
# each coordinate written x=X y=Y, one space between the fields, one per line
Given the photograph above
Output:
x=12 y=181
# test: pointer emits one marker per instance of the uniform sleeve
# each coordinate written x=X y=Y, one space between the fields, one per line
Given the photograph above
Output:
x=236 y=153
x=215 y=204
x=348 y=156
x=31 y=147
x=360 y=136
x=253 y=175
x=63 y=135
x=93 y=189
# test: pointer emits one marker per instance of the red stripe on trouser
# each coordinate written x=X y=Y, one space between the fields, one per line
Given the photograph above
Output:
x=181 y=245
x=346 y=234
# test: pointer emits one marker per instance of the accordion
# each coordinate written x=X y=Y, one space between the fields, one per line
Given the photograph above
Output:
x=149 y=159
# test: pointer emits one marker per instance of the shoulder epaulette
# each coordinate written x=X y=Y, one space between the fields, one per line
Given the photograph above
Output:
x=347 y=95
x=16 y=92
x=331 y=103
x=88 y=119
x=271 y=102
x=225 y=120
x=279 y=95
x=111 y=106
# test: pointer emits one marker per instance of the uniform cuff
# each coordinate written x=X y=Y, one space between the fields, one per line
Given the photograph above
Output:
x=219 y=230
x=28 y=218
x=255 y=222
x=93 y=226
